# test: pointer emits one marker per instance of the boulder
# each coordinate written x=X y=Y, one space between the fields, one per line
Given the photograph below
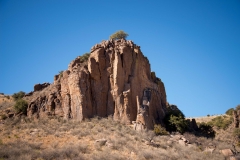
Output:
x=101 y=142
x=181 y=142
x=227 y=152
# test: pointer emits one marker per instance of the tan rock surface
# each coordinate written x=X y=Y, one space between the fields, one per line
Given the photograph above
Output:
x=227 y=152
x=108 y=84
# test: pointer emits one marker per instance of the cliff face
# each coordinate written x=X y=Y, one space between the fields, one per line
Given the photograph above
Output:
x=116 y=80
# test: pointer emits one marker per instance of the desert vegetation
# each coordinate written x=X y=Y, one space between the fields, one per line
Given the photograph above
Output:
x=97 y=138
x=84 y=57
x=206 y=130
x=103 y=138
x=18 y=95
x=230 y=111
x=175 y=120
x=20 y=105
x=221 y=122
x=119 y=35
x=6 y=101
x=60 y=74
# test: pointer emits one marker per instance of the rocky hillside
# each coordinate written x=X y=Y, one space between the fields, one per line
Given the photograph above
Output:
x=204 y=119
x=5 y=101
x=6 y=105
x=101 y=138
x=115 y=80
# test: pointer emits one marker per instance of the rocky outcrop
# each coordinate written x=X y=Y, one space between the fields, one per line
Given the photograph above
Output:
x=236 y=118
x=46 y=103
x=227 y=152
x=39 y=87
x=192 y=125
x=116 y=80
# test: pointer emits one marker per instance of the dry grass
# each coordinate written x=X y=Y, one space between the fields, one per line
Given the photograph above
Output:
x=57 y=139
x=6 y=102
x=205 y=119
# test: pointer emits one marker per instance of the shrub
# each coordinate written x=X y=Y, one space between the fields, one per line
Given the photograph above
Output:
x=206 y=130
x=159 y=130
x=178 y=123
x=175 y=120
x=230 y=111
x=220 y=122
x=60 y=73
x=18 y=95
x=119 y=35
x=84 y=57
x=21 y=106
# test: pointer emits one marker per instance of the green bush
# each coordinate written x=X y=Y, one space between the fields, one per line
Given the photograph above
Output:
x=178 y=123
x=159 y=130
x=175 y=120
x=84 y=57
x=21 y=106
x=18 y=95
x=206 y=130
x=220 y=122
x=229 y=111
x=119 y=35
x=60 y=73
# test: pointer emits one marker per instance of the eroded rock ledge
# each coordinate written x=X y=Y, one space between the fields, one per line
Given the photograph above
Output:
x=116 y=80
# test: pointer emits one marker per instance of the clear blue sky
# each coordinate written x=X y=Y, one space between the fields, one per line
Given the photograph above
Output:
x=193 y=46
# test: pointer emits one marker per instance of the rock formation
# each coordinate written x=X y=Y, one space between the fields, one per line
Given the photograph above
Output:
x=39 y=87
x=236 y=118
x=192 y=125
x=116 y=80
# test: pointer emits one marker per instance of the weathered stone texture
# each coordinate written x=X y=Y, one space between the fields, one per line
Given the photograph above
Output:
x=236 y=118
x=108 y=84
x=39 y=87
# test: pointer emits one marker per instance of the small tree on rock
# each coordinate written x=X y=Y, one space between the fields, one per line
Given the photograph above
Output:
x=119 y=35
x=230 y=111
x=84 y=57
x=18 y=95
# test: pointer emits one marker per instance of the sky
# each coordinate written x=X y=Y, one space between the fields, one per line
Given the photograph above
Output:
x=193 y=46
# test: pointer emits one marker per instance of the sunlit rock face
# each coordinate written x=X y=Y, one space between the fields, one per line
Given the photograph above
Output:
x=115 y=80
